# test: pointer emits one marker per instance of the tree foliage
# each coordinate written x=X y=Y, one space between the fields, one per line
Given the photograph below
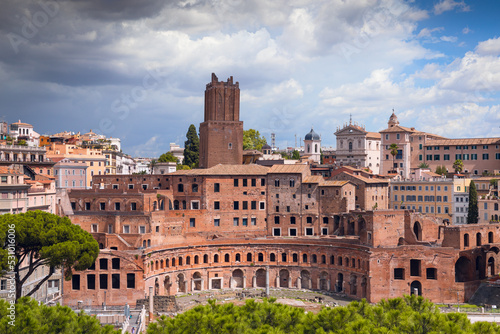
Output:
x=252 y=140
x=458 y=166
x=44 y=239
x=295 y=155
x=30 y=317
x=441 y=170
x=394 y=151
x=192 y=148
x=423 y=165
x=167 y=157
x=409 y=314
x=473 y=213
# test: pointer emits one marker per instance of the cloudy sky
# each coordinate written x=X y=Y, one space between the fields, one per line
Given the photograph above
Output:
x=137 y=69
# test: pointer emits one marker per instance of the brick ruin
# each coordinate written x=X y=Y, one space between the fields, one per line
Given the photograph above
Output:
x=226 y=225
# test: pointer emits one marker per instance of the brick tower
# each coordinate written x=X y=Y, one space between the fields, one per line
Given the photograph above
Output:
x=221 y=134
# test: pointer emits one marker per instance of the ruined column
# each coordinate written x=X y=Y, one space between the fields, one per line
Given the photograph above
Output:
x=299 y=283
x=151 y=303
x=244 y=282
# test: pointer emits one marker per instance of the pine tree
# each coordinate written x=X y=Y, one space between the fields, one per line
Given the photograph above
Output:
x=192 y=148
x=473 y=214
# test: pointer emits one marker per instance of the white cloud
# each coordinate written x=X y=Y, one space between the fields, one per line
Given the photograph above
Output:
x=491 y=47
x=451 y=39
x=466 y=30
x=447 y=5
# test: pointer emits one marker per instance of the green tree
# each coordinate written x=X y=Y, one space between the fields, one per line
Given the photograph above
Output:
x=295 y=155
x=473 y=213
x=458 y=166
x=152 y=165
x=43 y=239
x=394 y=151
x=423 y=165
x=441 y=170
x=167 y=157
x=192 y=148
x=252 y=140
x=30 y=317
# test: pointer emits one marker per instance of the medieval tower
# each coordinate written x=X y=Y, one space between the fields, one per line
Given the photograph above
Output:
x=221 y=134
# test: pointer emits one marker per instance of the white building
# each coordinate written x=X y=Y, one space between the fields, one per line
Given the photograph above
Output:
x=357 y=147
x=177 y=152
x=312 y=146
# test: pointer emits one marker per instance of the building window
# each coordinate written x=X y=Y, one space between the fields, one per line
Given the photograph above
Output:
x=236 y=205
x=194 y=188
x=216 y=222
x=126 y=229
x=244 y=221
x=216 y=205
x=93 y=228
x=117 y=206
x=277 y=183
x=130 y=281
x=75 y=282
x=262 y=205
x=195 y=205
x=415 y=267
x=292 y=232
x=236 y=221
x=235 y=182
x=309 y=231
x=253 y=221
x=142 y=229
x=276 y=231
x=399 y=273
x=133 y=206
x=253 y=205
x=431 y=273
x=245 y=205
x=192 y=222
x=216 y=187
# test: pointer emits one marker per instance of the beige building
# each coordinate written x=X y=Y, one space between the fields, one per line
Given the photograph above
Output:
x=93 y=158
x=358 y=147
x=479 y=155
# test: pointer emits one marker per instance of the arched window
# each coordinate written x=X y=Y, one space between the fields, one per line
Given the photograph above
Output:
x=272 y=257
x=196 y=259
x=490 y=237
x=323 y=259
x=180 y=261
x=237 y=257
x=308 y=148
x=226 y=258
x=249 y=257
x=314 y=258
x=188 y=260
x=167 y=263
x=216 y=258
x=478 y=239
x=260 y=257
x=332 y=259
x=283 y=257
x=466 y=240
x=304 y=258
x=315 y=148
x=205 y=258
x=295 y=257
x=350 y=146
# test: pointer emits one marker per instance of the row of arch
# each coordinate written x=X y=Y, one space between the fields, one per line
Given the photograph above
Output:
x=350 y=284
x=476 y=268
x=174 y=262
x=478 y=239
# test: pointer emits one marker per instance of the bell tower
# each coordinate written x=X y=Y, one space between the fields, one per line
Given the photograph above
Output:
x=221 y=134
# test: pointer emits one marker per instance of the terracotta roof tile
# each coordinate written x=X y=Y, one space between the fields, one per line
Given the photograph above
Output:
x=313 y=179
x=333 y=183
x=466 y=141
x=288 y=169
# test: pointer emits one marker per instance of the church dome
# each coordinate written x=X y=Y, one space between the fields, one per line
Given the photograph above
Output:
x=312 y=136
x=393 y=120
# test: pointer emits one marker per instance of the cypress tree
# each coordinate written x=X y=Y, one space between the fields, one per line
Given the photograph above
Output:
x=473 y=214
x=191 y=148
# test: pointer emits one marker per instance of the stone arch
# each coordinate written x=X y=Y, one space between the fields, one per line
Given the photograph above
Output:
x=284 y=278
x=305 y=279
x=417 y=230
x=260 y=278
x=340 y=282
x=463 y=270
x=353 y=281
x=491 y=266
x=237 y=279
x=416 y=288
x=364 y=286
x=166 y=285
x=181 y=283
x=197 y=281
x=324 y=281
